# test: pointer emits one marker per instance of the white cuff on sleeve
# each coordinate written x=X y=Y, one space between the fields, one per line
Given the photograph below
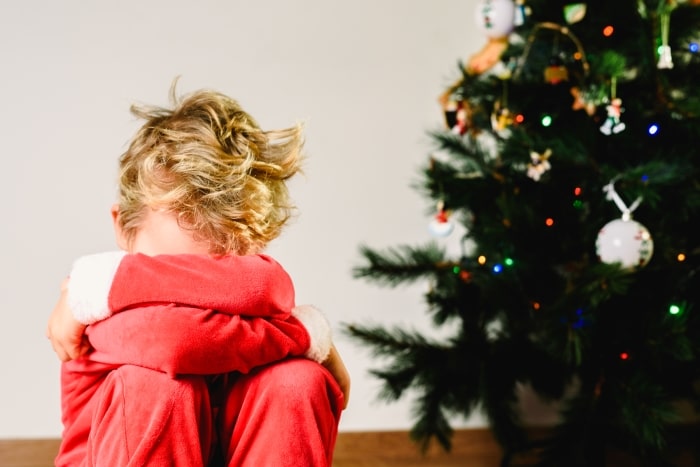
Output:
x=319 y=331
x=89 y=285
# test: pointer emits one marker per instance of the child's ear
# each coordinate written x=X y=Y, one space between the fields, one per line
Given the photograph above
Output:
x=122 y=242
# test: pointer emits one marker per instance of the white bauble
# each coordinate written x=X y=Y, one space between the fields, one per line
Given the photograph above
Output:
x=495 y=18
x=440 y=228
x=624 y=241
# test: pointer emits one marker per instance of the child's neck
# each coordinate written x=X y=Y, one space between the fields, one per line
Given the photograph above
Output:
x=159 y=234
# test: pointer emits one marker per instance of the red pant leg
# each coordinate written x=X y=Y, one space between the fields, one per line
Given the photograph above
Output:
x=284 y=415
x=145 y=417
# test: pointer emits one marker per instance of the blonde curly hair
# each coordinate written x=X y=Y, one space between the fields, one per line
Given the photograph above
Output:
x=208 y=161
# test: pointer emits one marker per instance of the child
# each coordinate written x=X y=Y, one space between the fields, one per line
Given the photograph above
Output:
x=183 y=342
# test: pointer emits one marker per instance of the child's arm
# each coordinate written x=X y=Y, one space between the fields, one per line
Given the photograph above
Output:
x=109 y=282
x=106 y=283
x=67 y=334
x=184 y=340
x=233 y=286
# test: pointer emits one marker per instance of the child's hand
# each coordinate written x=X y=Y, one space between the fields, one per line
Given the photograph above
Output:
x=335 y=365
x=67 y=335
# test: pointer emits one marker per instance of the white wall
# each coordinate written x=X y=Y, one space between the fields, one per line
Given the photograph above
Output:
x=364 y=74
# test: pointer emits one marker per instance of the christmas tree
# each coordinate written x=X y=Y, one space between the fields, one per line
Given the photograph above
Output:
x=570 y=157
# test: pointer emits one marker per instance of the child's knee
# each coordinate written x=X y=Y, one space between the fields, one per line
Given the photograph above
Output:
x=141 y=389
x=299 y=381
x=143 y=414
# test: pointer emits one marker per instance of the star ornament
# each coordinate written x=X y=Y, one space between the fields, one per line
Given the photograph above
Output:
x=580 y=102
x=539 y=164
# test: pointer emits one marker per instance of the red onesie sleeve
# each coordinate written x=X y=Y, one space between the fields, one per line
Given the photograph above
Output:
x=185 y=340
x=197 y=314
x=253 y=285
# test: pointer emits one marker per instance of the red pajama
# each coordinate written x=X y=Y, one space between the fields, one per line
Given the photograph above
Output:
x=213 y=379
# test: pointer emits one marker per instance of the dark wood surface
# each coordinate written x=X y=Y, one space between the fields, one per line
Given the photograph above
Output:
x=471 y=448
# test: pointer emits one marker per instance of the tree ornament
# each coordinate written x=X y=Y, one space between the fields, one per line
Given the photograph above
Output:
x=624 y=240
x=440 y=225
x=495 y=18
x=614 y=109
x=665 y=59
x=557 y=70
x=612 y=123
x=488 y=56
x=457 y=115
x=539 y=164
x=521 y=12
x=501 y=117
x=574 y=12
x=581 y=101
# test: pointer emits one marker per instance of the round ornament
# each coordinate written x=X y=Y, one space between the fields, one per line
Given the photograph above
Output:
x=626 y=242
x=440 y=228
x=495 y=18
x=440 y=225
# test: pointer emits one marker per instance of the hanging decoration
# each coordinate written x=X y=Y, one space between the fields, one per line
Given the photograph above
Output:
x=501 y=117
x=574 y=12
x=613 y=122
x=539 y=164
x=496 y=19
x=665 y=58
x=557 y=71
x=582 y=101
x=521 y=12
x=440 y=225
x=624 y=240
x=457 y=115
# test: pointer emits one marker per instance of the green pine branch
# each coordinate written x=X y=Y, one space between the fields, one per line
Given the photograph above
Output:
x=401 y=264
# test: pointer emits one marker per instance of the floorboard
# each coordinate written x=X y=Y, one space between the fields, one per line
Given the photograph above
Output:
x=471 y=448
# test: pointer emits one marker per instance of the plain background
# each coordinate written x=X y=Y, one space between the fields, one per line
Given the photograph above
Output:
x=364 y=76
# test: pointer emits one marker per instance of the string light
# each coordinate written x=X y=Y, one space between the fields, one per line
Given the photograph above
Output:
x=497 y=268
x=546 y=120
x=608 y=31
x=520 y=118
x=624 y=356
x=509 y=262
x=693 y=47
x=481 y=260
x=653 y=129
x=580 y=321
x=578 y=204
x=674 y=309
x=680 y=257
x=549 y=222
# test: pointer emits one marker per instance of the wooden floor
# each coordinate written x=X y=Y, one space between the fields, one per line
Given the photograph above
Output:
x=471 y=448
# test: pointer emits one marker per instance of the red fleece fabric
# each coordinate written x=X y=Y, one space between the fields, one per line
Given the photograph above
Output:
x=252 y=285
x=177 y=315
